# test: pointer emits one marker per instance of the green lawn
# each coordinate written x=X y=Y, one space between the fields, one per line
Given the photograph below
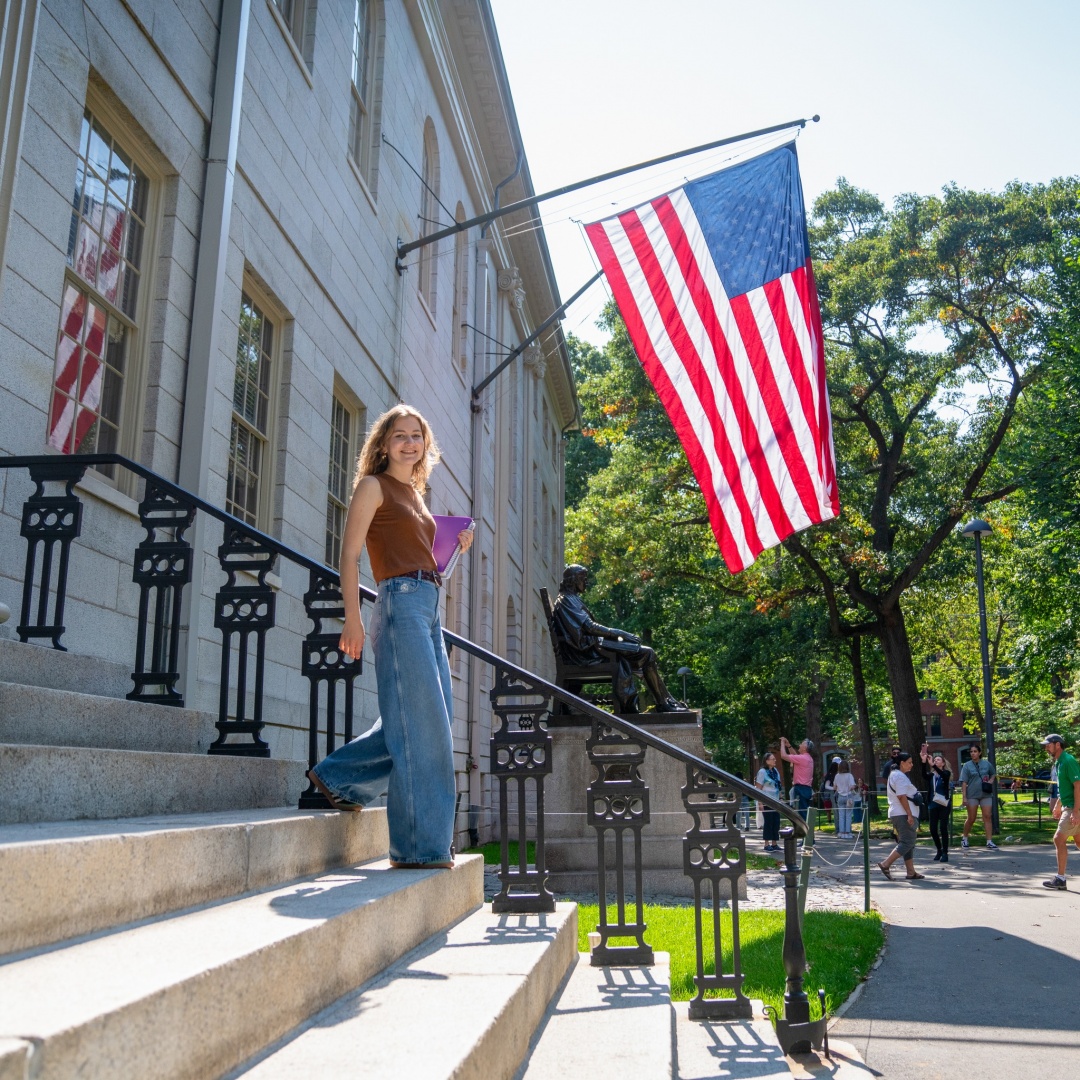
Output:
x=493 y=855
x=840 y=947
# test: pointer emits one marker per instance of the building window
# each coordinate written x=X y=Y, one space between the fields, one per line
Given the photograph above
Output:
x=935 y=725
x=458 y=329
x=429 y=216
x=345 y=422
x=366 y=68
x=99 y=309
x=249 y=442
x=299 y=19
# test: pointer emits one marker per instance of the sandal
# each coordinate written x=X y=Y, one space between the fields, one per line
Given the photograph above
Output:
x=330 y=797
x=885 y=870
x=916 y=877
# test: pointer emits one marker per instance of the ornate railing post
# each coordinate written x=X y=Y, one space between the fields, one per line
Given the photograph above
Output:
x=519 y=753
x=322 y=662
x=795 y=1031
x=714 y=851
x=48 y=520
x=243 y=611
x=618 y=801
x=162 y=568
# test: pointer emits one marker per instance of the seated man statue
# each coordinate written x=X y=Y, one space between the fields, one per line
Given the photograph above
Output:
x=582 y=640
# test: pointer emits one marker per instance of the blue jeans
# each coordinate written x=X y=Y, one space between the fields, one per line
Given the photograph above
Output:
x=408 y=753
x=804 y=794
x=843 y=813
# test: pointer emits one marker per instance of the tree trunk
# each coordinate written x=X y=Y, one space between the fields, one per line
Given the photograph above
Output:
x=910 y=725
x=866 y=736
x=813 y=717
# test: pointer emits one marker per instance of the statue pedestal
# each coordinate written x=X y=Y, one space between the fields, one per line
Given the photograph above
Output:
x=571 y=847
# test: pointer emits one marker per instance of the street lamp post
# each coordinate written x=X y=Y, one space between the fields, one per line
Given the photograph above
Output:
x=978 y=529
x=684 y=671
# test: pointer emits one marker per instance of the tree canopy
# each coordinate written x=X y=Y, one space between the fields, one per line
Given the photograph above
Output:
x=944 y=317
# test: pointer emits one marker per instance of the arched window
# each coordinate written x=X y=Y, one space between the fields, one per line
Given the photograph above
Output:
x=429 y=215
x=366 y=89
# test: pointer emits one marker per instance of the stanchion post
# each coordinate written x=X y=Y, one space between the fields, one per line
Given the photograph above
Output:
x=866 y=862
x=807 y=856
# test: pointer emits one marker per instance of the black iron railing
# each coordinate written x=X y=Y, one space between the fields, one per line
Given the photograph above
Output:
x=714 y=849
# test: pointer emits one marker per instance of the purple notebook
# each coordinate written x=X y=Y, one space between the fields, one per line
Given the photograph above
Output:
x=446 y=548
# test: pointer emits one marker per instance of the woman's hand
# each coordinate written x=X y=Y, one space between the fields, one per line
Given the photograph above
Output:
x=465 y=539
x=351 y=641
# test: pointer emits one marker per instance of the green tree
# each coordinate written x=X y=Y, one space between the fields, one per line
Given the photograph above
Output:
x=937 y=315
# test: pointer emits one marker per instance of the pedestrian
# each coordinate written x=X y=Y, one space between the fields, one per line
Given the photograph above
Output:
x=977 y=783
x=1016 y=787
x=891 y=763
x=408 y=753
x=844 y=785
x=939 y=808
x=802 y=772
x=828 y=789
x=768 y=782
x=904 y=801
x=1066 y=809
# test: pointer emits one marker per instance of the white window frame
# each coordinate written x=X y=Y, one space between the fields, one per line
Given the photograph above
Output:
x=365 y=94
x=133 y=388
x=264 y=498
x=427 y=275
x=296 y=20
x=338 y=499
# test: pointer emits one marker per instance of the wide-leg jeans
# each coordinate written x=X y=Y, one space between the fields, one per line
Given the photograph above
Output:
x=408 y=753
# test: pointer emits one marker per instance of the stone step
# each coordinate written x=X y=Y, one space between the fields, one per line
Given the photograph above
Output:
x=463 y=1005
x=193 y=995
x=65 y=783
x=42 y=665
x=101 y=874
x=607 y=1023
x=47 y=717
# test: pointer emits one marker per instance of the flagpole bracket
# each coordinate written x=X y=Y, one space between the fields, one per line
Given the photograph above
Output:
x=399 y=266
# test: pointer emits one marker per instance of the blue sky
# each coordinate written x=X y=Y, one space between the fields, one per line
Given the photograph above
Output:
x=912 y=96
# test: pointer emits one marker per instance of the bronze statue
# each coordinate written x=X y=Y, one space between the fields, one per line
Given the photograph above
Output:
x=582 y=640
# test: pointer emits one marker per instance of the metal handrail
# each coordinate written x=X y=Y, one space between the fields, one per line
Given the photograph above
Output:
x=541 y=685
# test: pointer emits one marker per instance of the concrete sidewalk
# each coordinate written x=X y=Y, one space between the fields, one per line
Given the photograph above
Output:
x=981 y=970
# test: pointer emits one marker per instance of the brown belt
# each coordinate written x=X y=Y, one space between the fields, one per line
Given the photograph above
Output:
x=421 y=575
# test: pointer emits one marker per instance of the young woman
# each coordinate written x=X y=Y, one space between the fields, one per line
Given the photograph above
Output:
x=844 y=786
x=904 y=816
x=939 y=813
x=769 y=783
x=976 y=773
x=407 y=754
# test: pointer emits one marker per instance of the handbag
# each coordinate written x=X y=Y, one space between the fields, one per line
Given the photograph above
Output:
x=987 y=785
x=939 y=798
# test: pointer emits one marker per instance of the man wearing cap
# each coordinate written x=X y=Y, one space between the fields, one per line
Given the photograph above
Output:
x=1067 y=808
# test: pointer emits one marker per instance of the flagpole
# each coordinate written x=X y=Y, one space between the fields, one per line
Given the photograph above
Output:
x=555 y=316
x=532 y=200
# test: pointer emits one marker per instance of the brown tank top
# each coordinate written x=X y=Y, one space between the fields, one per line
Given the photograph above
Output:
x=401 y=533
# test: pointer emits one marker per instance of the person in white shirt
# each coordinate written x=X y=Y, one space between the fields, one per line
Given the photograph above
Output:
x=844 y=785
x=904 y=815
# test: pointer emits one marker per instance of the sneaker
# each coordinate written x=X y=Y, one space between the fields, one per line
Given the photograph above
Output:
x=1056 y=882
x=991 y=845
x=964 y=841
x=944 y=858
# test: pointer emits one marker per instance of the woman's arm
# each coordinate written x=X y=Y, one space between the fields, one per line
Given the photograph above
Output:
x=366 y=499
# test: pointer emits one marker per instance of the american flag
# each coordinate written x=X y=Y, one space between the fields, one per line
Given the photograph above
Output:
x=716 y=287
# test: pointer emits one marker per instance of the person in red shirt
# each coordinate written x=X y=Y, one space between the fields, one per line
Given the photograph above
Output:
x=802 y=772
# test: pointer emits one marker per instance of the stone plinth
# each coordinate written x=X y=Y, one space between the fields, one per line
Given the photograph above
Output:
x=571 y=848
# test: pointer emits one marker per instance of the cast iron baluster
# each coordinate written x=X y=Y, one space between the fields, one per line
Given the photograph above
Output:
x=162 y=567
x=243 y=610
x=321 y=661
x=714 y=851
x=49 y=520
x=618 y=801
x=518 y=754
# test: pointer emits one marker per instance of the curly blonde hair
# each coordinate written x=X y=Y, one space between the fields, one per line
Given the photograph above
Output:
x=374 y=459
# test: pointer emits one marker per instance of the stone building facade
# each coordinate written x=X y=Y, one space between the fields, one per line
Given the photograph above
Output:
x=202 y=201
